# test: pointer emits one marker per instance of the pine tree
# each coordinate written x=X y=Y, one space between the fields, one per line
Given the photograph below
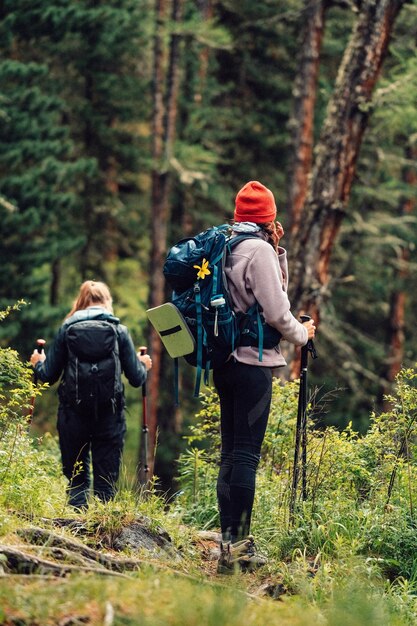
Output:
x=99 y=67
x=36 y=178
x=256 y=77
x=72 y=101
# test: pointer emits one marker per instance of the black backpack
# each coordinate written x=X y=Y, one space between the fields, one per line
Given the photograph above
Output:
x=92 y=376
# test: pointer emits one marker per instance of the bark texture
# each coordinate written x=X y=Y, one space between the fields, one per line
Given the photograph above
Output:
x=304 y=99
x=337 y=152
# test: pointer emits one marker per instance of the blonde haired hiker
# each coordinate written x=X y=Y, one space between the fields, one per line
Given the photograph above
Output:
x=90 y=352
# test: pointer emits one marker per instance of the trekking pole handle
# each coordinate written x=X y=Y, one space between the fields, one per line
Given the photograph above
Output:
x=143 y=350
x=40 y=344
x=310 y=343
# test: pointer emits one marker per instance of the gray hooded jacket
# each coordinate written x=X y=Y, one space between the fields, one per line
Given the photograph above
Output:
x=256 y=273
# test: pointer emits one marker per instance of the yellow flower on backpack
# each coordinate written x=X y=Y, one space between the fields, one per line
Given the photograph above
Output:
x=203 y=270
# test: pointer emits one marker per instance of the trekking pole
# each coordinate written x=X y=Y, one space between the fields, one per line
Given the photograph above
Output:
x=145 y=429
x=298 y=437
x=308 y=348
x=301 y=425
x=400 y=453
x=40 y=344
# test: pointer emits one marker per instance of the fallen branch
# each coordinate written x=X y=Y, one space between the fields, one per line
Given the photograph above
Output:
x=20 y=562
x=42 y=537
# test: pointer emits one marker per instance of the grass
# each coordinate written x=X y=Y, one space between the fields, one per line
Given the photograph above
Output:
x=347 y=559
x=300 y=586
x=158 y=598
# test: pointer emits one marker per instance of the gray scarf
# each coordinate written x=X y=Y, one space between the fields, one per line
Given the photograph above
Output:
x=245 y=227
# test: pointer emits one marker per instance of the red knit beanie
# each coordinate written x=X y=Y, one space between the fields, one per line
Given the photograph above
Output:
x=255 y=203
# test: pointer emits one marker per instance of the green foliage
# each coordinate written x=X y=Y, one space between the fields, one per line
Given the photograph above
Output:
x=71 y=101
x=16 y=385
x=27 y=471
x=347 y=548
x=151 y=600
x=206 y=428
x=361 y=489
x=75 y=112
x=196 y=500
x=75 y=132
x=15 y=307
x=31 y=476
x=37 y=175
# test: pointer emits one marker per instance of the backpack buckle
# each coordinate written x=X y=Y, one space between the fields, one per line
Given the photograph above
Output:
x=217 y=301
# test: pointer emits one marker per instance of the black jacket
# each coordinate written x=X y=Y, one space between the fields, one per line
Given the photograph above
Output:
x=51 y=369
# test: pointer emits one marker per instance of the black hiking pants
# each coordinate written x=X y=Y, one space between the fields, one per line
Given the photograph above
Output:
x=87 y=442
x=245 y=399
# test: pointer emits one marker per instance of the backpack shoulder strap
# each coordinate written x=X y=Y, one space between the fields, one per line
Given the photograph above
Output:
x=84 y=325
x=254 y=310
x=233 y=241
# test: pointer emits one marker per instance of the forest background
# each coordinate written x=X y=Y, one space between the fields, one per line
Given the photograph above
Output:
x=128 y=123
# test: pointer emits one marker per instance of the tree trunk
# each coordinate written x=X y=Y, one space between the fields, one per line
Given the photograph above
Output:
x=336 y=154
x=206 y=9
x=302 y=129
x=398 y=297
x=302 y=119
x=55 y=282
x=164 y=122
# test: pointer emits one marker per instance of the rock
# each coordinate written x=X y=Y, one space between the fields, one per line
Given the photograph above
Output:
x=138 y=536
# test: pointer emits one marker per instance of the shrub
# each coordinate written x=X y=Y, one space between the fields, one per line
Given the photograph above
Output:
x=30 y=474
x=362 y=489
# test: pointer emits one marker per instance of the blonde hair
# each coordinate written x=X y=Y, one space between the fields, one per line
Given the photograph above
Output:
x=92 y=293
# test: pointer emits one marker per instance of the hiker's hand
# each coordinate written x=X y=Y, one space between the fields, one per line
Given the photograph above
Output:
x=279 y=229
x=146 y=360
x=36 y=357
x=311 y=329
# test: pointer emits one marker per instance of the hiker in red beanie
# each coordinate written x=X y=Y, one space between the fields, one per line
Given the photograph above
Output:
x=256 y=271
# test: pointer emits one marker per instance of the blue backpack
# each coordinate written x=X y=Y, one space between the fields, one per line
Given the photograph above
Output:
x=194 y=269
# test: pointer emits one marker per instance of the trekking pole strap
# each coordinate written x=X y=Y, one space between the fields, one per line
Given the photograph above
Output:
x=312 y=349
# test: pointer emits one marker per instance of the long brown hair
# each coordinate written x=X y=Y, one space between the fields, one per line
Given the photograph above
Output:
x=274 y=233
x=92 y=292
